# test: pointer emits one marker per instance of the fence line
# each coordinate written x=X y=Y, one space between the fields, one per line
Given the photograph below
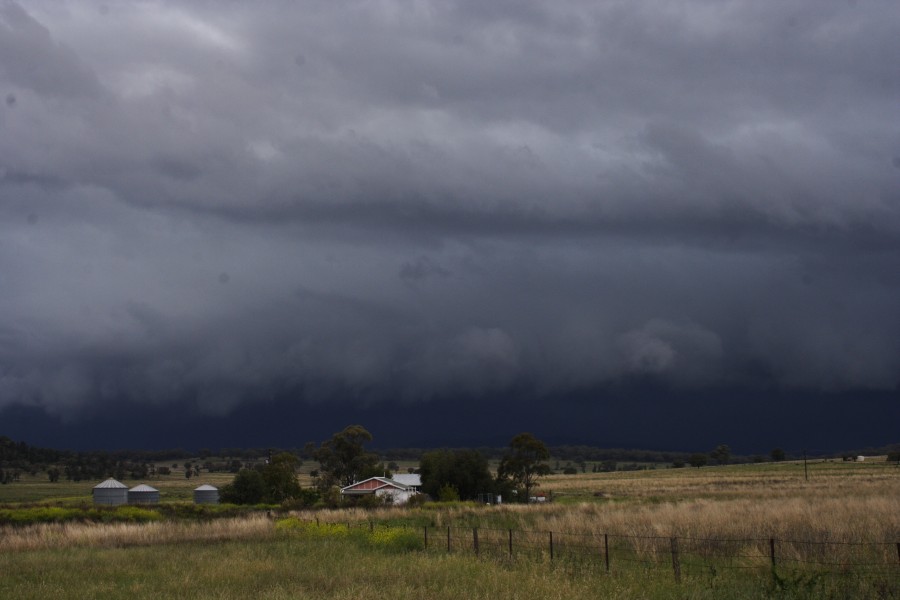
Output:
x=681 y=555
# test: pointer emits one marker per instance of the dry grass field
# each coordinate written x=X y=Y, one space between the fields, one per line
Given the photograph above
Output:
x=768 y=497
x=837 y=534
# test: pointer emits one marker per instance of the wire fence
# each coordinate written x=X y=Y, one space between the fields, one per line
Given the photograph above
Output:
x=681 y=556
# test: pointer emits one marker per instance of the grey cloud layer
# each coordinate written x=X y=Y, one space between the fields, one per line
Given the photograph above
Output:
x=222 y=202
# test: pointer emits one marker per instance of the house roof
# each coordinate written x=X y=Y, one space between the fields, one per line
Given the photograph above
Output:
x=413 y=479
x=206 y=488
x=372 y=484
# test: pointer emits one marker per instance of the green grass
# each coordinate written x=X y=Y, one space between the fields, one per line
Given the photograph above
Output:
x=337 y=567
x=37 y=488
x=292 y=559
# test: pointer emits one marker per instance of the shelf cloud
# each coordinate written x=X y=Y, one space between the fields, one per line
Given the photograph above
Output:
x=214 y=204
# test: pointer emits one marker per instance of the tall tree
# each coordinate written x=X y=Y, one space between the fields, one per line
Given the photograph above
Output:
x=343 y=459
x=466 y=471
x=281 y=478
x=524 y=462
x=248 y=487
x=722 y=454
x=698 y=459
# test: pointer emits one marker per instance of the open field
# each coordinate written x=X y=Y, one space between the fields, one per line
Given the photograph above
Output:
x=172 y=488
x=836 y=538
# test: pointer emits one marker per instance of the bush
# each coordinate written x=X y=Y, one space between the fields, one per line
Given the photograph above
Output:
x=306 y=498
x=39 y=514
x=448 y=493
x=397 y=539
x=392 y=539
x=417 y=500
x=134 y=514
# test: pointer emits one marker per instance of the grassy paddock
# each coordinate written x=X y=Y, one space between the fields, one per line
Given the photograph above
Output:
x=294 y=562
x=852 y=507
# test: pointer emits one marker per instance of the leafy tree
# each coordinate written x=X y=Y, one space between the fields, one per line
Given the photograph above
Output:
x=248 y=487
x=274 y=483
x=466 y=471
x=722 y=454
x=777 y=455
x=524 y=462
x=343 y=459
x=53 y=474
x=281 y=479
x=698 y=460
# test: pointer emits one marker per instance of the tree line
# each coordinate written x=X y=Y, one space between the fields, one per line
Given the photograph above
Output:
x=461 y=474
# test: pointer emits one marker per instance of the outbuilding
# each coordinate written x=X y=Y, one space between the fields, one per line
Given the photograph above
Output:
x=111 y=492
x=143 y=494
x=206 y=494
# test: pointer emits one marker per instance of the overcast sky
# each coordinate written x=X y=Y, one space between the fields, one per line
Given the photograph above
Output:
x=207 y=205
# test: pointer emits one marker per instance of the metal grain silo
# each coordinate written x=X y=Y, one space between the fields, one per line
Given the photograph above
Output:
x=206 y=494
x=143 y=494
x=110 y=492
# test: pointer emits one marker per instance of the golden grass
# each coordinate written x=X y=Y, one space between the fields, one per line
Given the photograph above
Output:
x=749 y=504
x=247 y=557
x=113 y=535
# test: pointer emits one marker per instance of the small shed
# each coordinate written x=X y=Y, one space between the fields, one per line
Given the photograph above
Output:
x=206 y=494
x=143 y=494
x=111 y=492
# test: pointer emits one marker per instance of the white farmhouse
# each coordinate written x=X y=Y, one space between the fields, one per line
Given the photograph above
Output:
x=391 y=490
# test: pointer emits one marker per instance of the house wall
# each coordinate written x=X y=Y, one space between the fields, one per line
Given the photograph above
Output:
x=397 y=496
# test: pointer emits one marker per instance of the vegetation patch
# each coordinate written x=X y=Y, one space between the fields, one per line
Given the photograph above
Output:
x=391 y=539
x=56 y=514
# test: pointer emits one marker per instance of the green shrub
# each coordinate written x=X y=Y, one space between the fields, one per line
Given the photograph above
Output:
x=392 y=539
x=448 y=493
x=39 y=514
x=135 y=514
x=400 y=539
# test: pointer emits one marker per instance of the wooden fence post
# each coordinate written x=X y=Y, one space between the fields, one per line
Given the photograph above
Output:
x=676 y=564
x=475 y=539
x=448 y=538
x=606 y=550
x=511 y=552
x=551 y=545
x=772 y=551
x=426 y=536
x=898 y=552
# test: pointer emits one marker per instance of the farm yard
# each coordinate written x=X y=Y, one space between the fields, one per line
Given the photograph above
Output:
x=739 y=531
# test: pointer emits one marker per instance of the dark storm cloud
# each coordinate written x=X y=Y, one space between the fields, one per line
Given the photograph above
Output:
x=211 y=204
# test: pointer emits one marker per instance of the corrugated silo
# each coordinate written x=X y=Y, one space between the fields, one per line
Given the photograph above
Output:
x=143 y=494
x=206 y=494
x=110 y=492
